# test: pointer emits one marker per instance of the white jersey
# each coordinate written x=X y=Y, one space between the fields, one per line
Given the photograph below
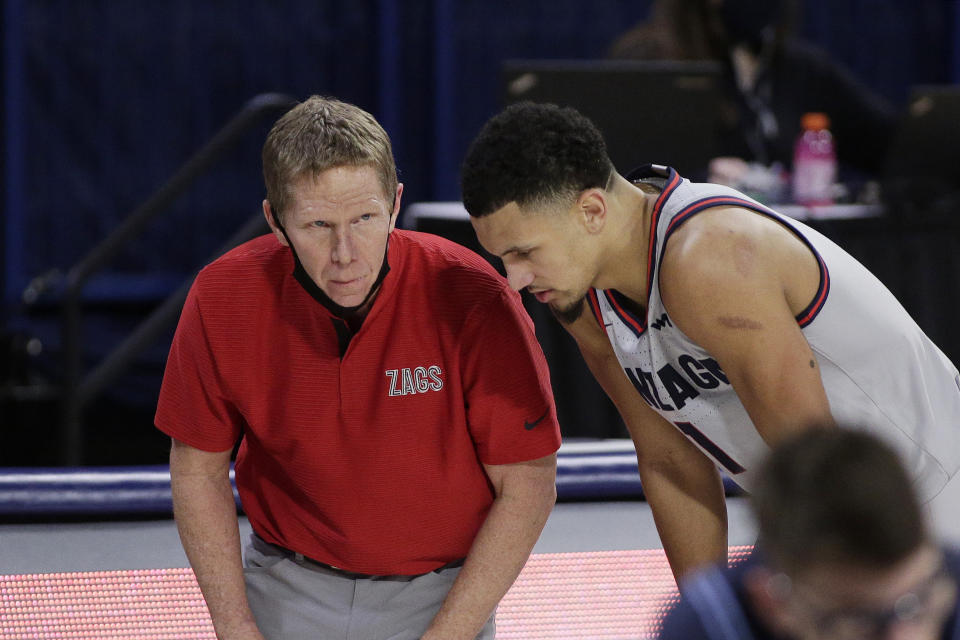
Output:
x=879 y=370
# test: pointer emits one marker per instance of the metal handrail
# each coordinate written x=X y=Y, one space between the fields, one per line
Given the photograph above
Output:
x=78 y=390
x=158 y=320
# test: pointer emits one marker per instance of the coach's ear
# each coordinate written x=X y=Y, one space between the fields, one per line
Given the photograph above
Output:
x=396 y=207
x=273 y=222
x=592 y=209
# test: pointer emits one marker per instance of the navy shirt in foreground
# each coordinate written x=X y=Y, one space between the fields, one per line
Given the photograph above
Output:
x=713 y=606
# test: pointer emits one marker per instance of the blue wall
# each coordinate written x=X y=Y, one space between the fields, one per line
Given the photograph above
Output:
x=103 y=100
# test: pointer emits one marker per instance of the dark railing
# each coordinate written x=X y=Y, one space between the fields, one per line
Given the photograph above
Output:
x=78 y=389
x=586 y=471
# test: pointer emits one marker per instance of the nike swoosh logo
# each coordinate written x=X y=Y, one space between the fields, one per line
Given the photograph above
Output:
x=530 y=425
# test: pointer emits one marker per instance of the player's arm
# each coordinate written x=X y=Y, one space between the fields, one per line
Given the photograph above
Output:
x=682 y=485
x=734 y=282
x=524 y=495
x=206 y=518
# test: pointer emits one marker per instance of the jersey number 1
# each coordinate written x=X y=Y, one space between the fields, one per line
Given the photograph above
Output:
x=710 y=447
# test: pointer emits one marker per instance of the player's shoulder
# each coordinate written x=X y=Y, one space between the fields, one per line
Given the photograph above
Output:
x=708 y=248
x=723 y=223
x=724 y=237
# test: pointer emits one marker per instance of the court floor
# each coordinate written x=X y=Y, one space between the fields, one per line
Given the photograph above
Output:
x=597 y=572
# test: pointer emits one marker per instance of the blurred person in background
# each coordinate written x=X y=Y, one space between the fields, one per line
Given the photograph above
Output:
x=844 y=553
x=772 y=80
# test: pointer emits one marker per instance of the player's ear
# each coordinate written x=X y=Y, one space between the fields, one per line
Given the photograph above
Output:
x=592 y=209
x=268 y=213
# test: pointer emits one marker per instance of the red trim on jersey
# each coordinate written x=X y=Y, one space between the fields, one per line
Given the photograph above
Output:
x=595 y=306
x=628 y=318
x=700 y=205
x=640 y=325
x=806 y=316
x=673 y=181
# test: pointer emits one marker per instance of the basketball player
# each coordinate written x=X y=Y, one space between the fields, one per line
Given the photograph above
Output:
x=397 y=432
x=716 y=325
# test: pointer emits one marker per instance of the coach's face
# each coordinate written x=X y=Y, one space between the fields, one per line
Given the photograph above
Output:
x=546 y=252
x=339 y=222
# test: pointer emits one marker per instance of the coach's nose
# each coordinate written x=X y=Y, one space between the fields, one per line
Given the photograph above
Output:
x=342 y=251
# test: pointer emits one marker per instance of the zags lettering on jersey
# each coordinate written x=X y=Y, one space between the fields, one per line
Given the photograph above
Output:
x=411 y=380
x=681 y=383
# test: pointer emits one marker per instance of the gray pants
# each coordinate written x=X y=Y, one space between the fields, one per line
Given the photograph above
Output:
x=296 y=599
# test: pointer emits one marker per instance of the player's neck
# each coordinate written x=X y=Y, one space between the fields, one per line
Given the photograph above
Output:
x=625 y=265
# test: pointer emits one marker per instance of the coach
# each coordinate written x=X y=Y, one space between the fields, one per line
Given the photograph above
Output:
x=396 y=427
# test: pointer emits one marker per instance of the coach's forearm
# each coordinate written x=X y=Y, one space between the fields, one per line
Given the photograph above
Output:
x=496 y=557
x=206 y=518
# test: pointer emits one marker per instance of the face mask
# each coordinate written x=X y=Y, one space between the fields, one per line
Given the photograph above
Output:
x=303 y=278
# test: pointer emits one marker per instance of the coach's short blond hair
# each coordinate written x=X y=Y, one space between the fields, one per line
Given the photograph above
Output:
x=319 y=134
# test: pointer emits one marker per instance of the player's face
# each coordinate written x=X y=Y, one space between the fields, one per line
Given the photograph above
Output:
x=541 y=251
x=910 y=601
x=339 y=222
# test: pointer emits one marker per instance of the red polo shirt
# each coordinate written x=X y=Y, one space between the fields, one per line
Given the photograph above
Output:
x=371 y=461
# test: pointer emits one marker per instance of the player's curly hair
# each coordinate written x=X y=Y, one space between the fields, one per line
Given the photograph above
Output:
x=533 y=154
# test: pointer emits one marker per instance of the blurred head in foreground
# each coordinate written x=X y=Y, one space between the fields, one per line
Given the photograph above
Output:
x=846 y=551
